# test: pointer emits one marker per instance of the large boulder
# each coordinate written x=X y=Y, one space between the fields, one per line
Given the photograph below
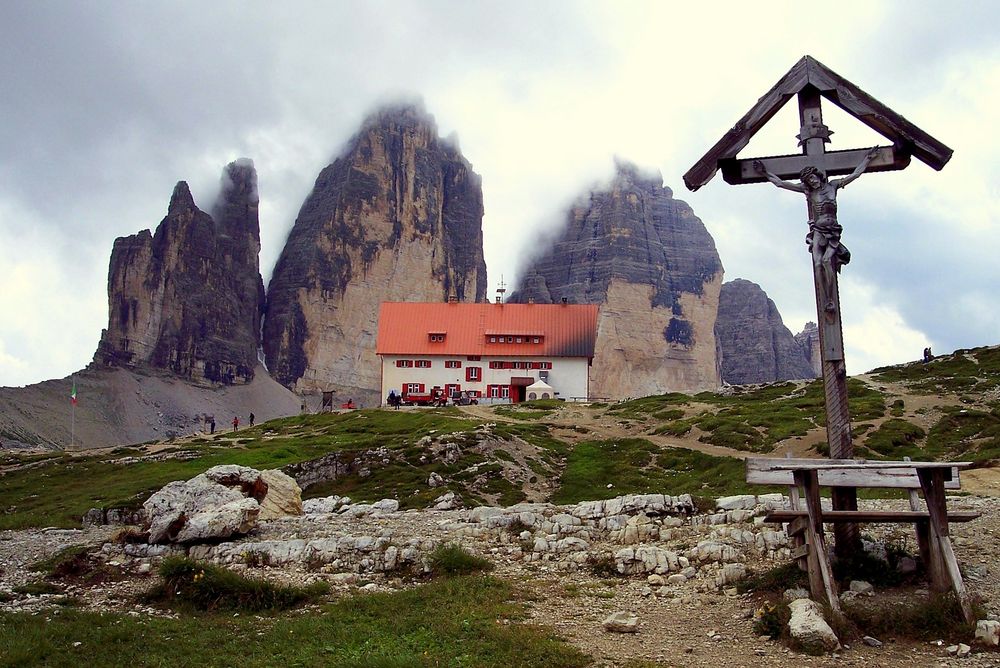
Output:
x=219 y=503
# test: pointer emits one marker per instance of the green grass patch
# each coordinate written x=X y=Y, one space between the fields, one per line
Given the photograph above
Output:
x=37 y=588
x=636 y=466
x=976 y=370
x=452 y=559
x=914 y=617
x=458 y=621
x=192 y=585
x=58 y=491
x=966 y=432
x=896 y=439
x=640 y=409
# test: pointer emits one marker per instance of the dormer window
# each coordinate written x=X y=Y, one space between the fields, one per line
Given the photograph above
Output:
x=436 y=337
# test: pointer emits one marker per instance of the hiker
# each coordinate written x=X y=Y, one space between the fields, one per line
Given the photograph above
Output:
x=211 y=424
x=251 y=419
x=236 y=422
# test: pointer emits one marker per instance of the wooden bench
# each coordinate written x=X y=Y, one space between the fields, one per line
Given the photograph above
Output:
x=805 y=525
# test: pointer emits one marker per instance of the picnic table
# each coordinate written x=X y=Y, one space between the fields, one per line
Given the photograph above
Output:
x=805 y=525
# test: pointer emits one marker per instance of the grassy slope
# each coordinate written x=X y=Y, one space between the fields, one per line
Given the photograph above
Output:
x=461 y=621
x=58 y=490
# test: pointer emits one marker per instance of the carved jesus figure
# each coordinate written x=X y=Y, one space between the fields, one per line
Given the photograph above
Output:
x=823 y=238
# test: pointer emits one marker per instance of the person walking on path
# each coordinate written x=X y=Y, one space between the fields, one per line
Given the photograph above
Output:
x=251 y=419
x=236 y=423
x=211 y=424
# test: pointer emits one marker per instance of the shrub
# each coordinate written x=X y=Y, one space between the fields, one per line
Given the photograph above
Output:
x=771 y=619
x=256 y=558
x=603 y=565
x=915 y=617
x=204 y=586
x=774 y=580
x=452 y=559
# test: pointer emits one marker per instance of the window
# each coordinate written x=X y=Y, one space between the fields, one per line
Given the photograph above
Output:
x=436 y=338
x=423 y=364
x=493 y=391
x=404 y=364
x=413 y=388
x=544 y=365
x=473 y=374
x=536 y=340
x=475 y=394
x=451 y=389
x=505 y=391
x=452 y=364
x=493 y=339
x=520 y=340
x=473 y=358
x=496 y=364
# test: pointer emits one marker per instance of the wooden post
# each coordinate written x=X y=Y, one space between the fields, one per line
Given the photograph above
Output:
x=813 y=135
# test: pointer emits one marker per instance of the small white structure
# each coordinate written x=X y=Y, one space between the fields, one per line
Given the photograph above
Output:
x=539 y=390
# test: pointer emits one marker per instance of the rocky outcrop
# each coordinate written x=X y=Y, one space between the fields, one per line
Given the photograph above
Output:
x=188 y=299
x=397 y=217
x=653 y=267
x=754 y=343
x=221 y=502
x=808 y=340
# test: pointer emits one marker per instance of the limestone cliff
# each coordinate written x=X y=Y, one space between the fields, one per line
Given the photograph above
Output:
x=653 y=267
x=808 y=340
x=397 y=217
x=188 y=299
x=755 y=345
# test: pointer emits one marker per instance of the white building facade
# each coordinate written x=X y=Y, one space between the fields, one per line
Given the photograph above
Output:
x=492 y=351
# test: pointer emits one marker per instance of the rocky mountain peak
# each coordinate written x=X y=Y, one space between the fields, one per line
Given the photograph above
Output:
x=188 y=299
x=653 y=267
x=755 y=346
x=181 y=200
x=397 y=216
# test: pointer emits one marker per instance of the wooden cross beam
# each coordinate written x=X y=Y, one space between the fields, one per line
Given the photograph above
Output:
x=835 y=163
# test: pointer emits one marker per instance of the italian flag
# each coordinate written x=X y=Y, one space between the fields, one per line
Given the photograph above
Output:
x=72 y=396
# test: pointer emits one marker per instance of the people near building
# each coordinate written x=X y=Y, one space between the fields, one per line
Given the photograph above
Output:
x=211 y=424
x=236 y=422
x=251 y=419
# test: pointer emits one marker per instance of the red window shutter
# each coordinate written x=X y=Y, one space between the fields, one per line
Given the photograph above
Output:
x=421 y=388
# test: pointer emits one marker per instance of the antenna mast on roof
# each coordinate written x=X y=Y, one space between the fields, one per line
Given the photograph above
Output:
x=501 y=290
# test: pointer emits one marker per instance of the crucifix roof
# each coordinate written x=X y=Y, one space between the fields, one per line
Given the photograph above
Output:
x=906 y=137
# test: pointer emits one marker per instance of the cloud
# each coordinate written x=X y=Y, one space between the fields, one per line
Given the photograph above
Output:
x=106 y=106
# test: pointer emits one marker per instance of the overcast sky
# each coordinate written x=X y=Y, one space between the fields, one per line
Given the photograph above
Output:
x=106 y=105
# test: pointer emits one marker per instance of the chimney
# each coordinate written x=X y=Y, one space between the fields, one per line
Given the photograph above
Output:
x=499 y=300
x=531 y=300
x=452 y=299
x=564 y=301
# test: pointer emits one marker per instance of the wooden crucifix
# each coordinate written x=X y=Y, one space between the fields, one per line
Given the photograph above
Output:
x=810 y=81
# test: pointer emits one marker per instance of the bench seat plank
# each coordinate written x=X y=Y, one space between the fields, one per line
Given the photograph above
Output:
x=870 y=516
x=846 y=472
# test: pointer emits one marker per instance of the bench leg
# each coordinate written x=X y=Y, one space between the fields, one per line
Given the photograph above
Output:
x=932 y=483
x=930 y=554
x=821 y=582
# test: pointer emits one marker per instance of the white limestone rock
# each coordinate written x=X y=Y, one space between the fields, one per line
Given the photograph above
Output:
x=283 y=498
x=738 y=502
x=808 y=628
x=236 y=517
x=988 y=632
x=621 y=622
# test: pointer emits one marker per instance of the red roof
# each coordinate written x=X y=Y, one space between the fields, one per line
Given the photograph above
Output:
x=565 y=330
